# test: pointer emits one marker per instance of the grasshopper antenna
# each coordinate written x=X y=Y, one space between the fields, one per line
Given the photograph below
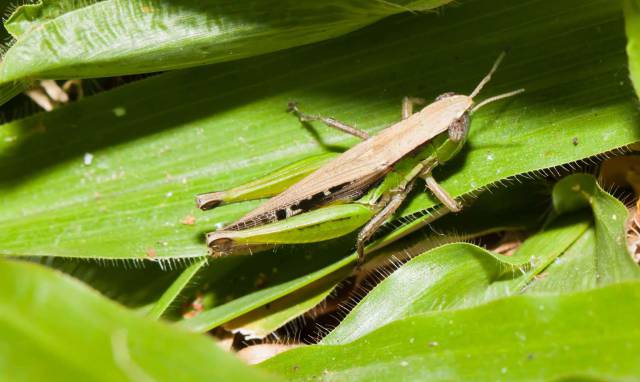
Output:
x=495 y=98
x=487 y=78
x=484 y=81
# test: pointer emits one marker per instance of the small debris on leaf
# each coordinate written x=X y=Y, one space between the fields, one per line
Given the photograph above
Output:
x=188 y=220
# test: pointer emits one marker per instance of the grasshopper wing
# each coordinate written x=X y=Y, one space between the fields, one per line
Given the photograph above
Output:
x=350 y=174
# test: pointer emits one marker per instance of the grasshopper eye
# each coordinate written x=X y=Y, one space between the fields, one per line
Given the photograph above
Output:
x=459 y=128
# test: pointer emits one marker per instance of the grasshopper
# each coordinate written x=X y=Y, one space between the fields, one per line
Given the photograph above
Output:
x=378 y=173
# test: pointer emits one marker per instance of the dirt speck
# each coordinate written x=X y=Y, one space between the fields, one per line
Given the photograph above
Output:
x=195 y=308
x=151 y=253
x=188 y=220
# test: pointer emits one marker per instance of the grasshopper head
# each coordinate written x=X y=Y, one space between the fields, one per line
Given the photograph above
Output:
x=459 y=128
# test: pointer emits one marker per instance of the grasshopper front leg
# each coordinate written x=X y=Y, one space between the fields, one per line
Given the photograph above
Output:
x=392 y=192
x=390 y=207
x=440 y=193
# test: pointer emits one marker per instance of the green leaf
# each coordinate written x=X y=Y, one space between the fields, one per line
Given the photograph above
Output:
x=10 y=90
x=632 y=18
x=238 y=285
x=448 y=277
x=266 y=319
x=55 y=328
x=441 y=278
x=575 y=270
x=176 y=288
x=156 y=143
x=31 y=17
x=600 y=256
x=68 y=39
x=462 y=275
x=613 y=263
x=588 y=335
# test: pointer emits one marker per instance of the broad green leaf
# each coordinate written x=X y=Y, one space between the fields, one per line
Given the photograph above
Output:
x=69 y=39
x=544 y=247
x=632 y=19
x=448 y=277
x=152 y=145
x=585 y=336
x=461 y=275
x=600 y=256
x=55 y=328
x=613 y=263
x=575 y=270
x=436 y=280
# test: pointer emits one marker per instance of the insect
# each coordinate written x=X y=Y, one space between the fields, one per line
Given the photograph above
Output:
x=365 y=185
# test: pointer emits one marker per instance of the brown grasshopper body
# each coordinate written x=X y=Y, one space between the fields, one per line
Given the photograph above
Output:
x=351 y=174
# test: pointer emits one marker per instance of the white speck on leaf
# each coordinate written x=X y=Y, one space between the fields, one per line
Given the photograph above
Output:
x=87 y=159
